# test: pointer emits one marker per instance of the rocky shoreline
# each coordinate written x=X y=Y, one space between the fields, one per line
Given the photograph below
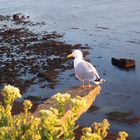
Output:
x=29 y=58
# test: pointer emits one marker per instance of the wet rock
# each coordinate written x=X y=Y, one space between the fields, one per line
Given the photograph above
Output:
x=20 y=18
x=53 y=35
x=117 y=114
x=46 y=75
x=93 y=108
x=87 y=94
x=104 y=28
x=25 y=54
x=33 y=98
x=16 y=17
x=123 y=63
x=124 y=117
x=2 y=18
x=75 y=28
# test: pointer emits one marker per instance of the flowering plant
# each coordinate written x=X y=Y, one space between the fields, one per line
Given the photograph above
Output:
x=48 y=125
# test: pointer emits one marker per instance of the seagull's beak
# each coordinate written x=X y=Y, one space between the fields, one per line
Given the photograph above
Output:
x=70 y=55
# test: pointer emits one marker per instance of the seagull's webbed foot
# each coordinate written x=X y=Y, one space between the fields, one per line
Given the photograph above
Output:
x=89 y=84
x=83 y=84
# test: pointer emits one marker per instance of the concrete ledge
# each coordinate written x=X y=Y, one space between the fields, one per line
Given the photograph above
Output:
x=88 y=94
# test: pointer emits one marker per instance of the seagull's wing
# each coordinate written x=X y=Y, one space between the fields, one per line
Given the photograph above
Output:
x=92 y=69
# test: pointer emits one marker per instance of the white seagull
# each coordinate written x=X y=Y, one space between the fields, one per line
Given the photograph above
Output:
x=84 y=70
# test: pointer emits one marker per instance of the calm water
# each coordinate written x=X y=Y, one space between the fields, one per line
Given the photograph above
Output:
x=111 y=28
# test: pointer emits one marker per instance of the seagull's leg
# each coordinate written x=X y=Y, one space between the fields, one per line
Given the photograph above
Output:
x=89 y=84
x=83 y=85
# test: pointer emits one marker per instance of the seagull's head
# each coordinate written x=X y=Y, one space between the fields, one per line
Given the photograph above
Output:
x=76 y=54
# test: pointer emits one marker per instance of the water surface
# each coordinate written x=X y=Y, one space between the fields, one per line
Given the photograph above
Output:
x=111 y=29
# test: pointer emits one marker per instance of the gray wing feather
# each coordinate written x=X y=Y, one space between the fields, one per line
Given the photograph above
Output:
x=92 y=69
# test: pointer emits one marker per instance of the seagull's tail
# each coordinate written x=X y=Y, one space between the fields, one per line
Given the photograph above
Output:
x=99 y=81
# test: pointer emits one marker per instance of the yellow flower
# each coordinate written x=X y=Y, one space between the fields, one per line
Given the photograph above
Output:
x=54 y=110
x=56 y=96
x=1 y=109
x=122 y=135
x=106 y=123
x=66 y=96
x=43 y=113
x=87 y=130
x=101 y=128
x=3 y=130
x=8 y=110
x=62 y=98
x=78 y=103
x=36 y=121
x=36 y=137
x=27 y=104
x=17 y=120
x=11 y=91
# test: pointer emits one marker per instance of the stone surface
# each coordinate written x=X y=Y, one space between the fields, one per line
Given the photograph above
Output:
x=16 y=17
x=89 y=94
x=33 y=98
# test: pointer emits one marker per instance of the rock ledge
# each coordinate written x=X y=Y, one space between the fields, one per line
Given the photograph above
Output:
x=88 y=94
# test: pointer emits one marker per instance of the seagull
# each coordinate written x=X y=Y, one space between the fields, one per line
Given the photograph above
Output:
x=84 y=70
